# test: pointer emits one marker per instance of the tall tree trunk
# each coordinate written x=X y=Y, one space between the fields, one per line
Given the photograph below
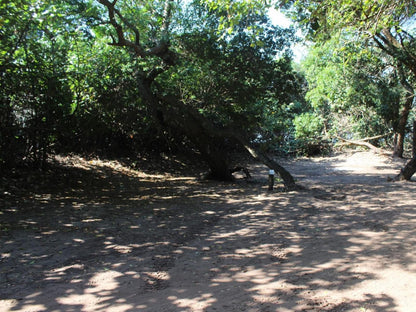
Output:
x=414 y=139
x=401 y=128
x=410 y=169
x=404 y=115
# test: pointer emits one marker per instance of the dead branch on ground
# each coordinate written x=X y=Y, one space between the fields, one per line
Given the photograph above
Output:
x=364 y=142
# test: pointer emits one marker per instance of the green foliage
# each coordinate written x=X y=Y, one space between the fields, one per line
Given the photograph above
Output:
x=308 y=126
x=35 y=94
x=324 y=18
x=232 y=12
x=308 y=138
x=352 y=87
x=66 y=89
x=234 y=80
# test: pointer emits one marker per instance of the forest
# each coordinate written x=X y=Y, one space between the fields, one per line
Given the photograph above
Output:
x=203 y=78
x=136 y=139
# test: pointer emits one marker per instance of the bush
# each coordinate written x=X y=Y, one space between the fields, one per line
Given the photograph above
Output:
x=308 y=126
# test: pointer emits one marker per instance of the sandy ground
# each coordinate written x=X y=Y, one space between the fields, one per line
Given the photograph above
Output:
x=103 y=237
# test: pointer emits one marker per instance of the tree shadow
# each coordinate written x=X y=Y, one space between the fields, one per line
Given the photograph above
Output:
x=179 y=244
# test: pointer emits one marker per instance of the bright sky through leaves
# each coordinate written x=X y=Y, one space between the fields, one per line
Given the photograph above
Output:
x=278 y=18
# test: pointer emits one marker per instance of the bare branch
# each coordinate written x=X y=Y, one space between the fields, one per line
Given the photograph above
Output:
x=121 y=39
x=129 y=25
x=390 y=38
x=120 y=23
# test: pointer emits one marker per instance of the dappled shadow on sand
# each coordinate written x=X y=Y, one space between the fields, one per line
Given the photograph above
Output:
x=126 y=241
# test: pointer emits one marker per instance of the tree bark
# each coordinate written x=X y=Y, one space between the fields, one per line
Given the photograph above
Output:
x=407 y=172
x=288 y=180
x=218 y=163
x=404 y=116
x=401 y=128
x=410 y=169
x=414 y=139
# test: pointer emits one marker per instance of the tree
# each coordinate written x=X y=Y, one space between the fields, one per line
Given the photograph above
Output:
x=353 y=88
x=401 y=124
x=54 y=95
x=35 y=96
x=151 y=39
x=384 y=23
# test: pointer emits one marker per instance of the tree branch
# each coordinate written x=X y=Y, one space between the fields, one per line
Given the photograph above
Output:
x=151 y=76
x=161 y=49
x=121 y=39
x=410 y=39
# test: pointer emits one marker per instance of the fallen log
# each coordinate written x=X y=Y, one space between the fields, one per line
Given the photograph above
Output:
x=364 y=142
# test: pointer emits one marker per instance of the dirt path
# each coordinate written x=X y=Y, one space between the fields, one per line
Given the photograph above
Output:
x=115 y=239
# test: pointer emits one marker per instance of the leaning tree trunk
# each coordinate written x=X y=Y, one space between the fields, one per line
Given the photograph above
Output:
x=232 y=134
x=219 y=166
x=209 y=139
x=172 y=113
x=213 y=153
x=288 y=180
x=414 y=139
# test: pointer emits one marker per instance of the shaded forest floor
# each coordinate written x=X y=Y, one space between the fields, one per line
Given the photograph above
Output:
x=99 y=236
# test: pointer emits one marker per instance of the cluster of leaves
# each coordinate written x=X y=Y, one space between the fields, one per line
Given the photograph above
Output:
x=35 y=95
x=232 y=80
x=325 y=18
x=366 y=50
